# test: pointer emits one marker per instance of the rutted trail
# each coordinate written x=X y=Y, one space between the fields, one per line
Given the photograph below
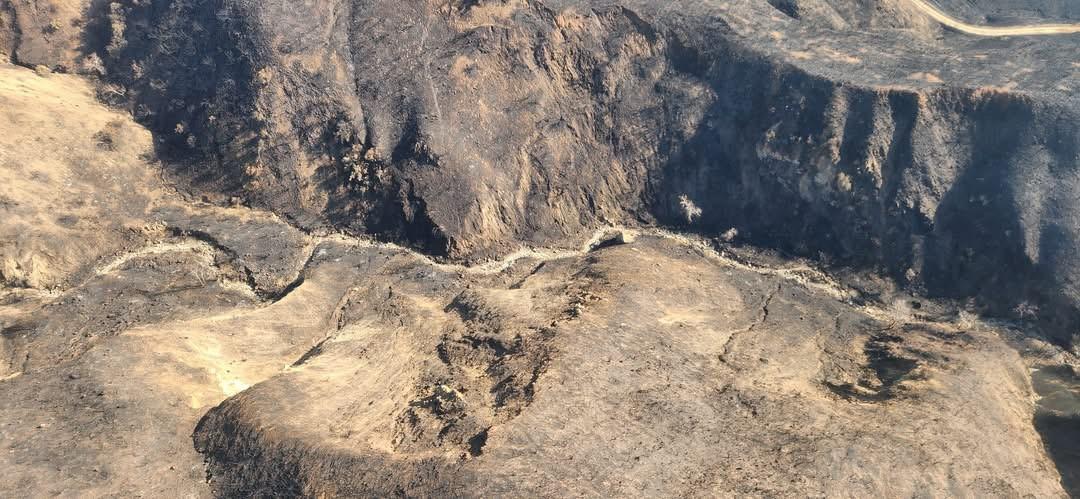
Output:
x=804 y=274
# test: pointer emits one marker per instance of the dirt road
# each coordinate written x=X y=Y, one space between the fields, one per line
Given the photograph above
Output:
x=972 y=29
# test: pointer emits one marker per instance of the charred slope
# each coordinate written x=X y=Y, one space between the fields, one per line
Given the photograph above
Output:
x=1013 y=11
x=602 y=375
x=957 y=192
x=865 y=135
x=902 y=14
x=643 y=364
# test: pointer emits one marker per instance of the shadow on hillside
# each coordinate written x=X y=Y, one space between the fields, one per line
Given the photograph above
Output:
x=1057 y=419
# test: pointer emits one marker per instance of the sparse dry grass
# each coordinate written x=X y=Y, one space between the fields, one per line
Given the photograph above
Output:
x=73 y=177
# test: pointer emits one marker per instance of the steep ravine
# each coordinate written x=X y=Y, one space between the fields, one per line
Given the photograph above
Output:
x=954 y=192
x=536 y=122
x=152 y=344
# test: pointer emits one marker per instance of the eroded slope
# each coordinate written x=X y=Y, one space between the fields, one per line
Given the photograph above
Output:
x=862 y=133
x=640 y=370
x=306 y=364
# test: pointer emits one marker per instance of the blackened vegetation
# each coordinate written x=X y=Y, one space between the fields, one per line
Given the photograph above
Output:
x=255 y=463
x=365 y=128
x=477 y=442
x=491 y=366
x=186 y=67
x=10 y=32
x=886 y=367
x=788 y=7
x=946 y=229
x=198 y=74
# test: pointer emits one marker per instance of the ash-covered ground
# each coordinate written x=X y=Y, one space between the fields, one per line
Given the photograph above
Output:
x=766 y=248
